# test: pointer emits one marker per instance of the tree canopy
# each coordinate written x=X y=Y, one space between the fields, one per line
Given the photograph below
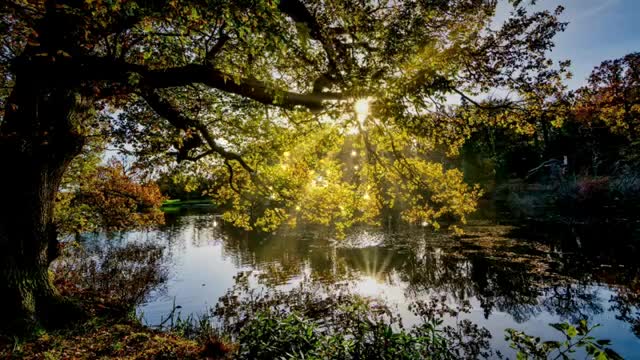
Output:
x=330 y=111
x=266 y=91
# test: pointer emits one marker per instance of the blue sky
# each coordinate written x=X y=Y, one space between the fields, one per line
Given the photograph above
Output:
x=598 y=30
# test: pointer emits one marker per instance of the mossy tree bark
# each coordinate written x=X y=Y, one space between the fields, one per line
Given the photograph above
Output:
x=38 y=140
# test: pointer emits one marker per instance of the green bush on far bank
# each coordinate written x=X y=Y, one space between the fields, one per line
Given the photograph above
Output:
x=175 y=205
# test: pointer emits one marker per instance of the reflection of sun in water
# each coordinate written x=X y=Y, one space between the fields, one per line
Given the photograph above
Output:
x=361 y=108
x=374 y=266
x=374 y=275
x=368 y=286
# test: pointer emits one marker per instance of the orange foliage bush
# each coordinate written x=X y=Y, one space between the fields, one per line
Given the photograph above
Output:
x=108 y=197
x=122 y=202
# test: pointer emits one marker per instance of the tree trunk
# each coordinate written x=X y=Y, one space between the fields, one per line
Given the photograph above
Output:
x=37 y=143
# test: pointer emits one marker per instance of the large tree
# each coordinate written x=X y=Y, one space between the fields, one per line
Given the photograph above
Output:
x=231 y=82
x=607 y=116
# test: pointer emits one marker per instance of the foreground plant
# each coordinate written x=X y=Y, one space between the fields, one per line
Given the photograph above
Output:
x=311 y=321
x=315 y=321
x=577 y=337
x=103 y=337
x=117 y=277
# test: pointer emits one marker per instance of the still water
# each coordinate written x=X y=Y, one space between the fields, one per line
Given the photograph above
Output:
x=513 y=276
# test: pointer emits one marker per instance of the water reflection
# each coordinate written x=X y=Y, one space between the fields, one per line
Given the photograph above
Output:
x=512 y=277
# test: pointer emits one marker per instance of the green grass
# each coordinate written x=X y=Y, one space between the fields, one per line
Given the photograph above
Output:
x=174 y=205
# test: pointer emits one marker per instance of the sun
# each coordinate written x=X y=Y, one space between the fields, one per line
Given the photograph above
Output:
x=361 y=108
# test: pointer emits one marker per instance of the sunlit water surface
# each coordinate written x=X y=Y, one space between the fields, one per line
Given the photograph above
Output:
x=513 y=277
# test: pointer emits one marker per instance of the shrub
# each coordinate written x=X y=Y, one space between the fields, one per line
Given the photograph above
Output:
x=592 y=188
x=575 y=337
x=325 y=322
x=118 y=276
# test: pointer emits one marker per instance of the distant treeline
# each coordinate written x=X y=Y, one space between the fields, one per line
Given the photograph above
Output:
x=581 y=145
x=590 y=132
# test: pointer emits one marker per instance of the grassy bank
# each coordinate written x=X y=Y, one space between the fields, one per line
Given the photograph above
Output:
x=175 y=205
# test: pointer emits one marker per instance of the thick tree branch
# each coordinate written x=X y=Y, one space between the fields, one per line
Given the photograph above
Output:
x=81 y=69
x=199 y=156
x=165 y=109
x=299 y=13
x=176 y=118
x=249 y=88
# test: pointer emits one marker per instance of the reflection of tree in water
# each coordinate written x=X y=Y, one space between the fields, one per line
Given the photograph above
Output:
x=280 y=258
x=626 y=302
x=519 y=277
x=507 y=287
x=497 y=284
x=573 y=301
x=199 y=229
x=592 y=253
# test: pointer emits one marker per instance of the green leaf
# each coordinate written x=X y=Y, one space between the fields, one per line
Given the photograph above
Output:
x=562 y=327
x=612 y=354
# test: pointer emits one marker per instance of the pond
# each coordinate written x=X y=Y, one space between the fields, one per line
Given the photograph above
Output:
x=521 y=277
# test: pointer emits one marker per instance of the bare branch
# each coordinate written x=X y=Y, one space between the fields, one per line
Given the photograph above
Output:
x=231 y=185
x=216 y=48
x=178 y=119
x=479 y=105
